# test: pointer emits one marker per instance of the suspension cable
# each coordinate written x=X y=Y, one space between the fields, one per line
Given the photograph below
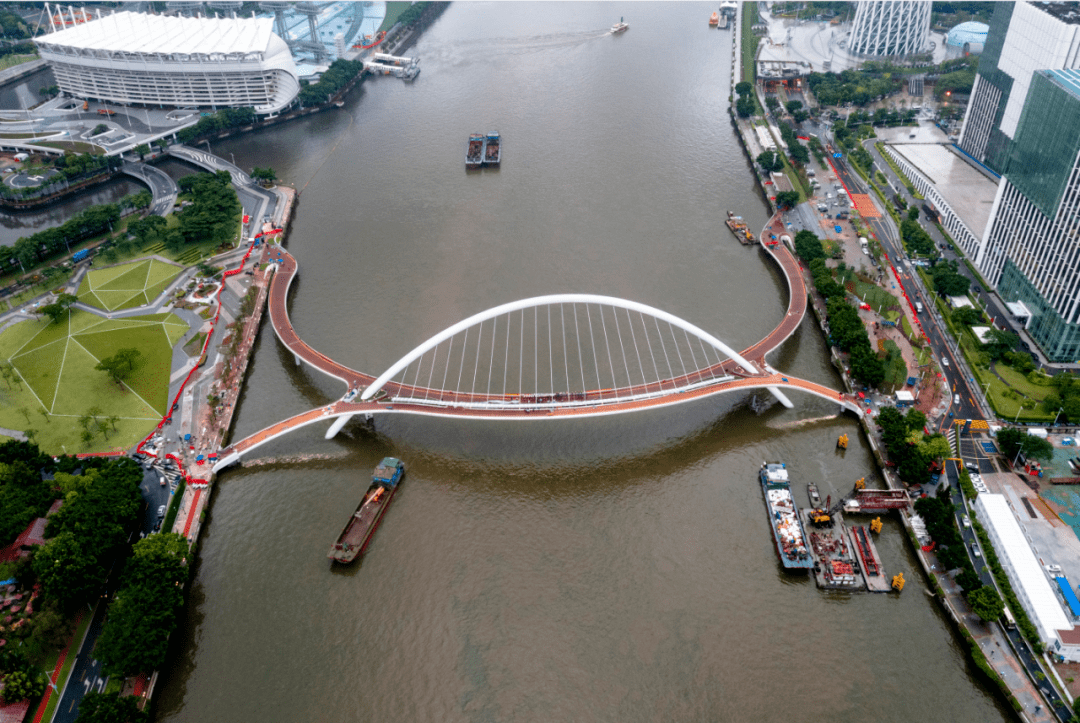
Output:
x=566 y=361
x=675 y=341
x=622 y=348
x=449 y=353
x=633 y=337
x=476 y=367
x=693 y=356
x=491 y=362
x=663 y=346
x=521 y=357
x=656 y=369
x=551 y=358
x=592 y=340
x=536 y=351
x=461 y=366
x=607 y=343
x=506 y=359
x=581 y=362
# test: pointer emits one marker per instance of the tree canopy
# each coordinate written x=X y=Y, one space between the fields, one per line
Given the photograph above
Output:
x=1012 y=440
x=58 y=309
x=120 y=365
x=98 y=707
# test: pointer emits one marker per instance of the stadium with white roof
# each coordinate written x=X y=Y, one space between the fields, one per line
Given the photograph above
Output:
x=135 y=58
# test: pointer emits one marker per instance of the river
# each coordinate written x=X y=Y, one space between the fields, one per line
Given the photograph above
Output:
x=611 y=569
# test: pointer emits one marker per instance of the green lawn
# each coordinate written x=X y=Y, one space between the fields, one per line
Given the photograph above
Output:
x=394 y=9
x=59 y=383
x=126 y=286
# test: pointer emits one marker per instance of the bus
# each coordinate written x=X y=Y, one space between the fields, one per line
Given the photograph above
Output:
x=1010 y=623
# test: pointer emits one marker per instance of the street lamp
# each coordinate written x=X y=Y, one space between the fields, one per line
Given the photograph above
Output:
x=1062 y=409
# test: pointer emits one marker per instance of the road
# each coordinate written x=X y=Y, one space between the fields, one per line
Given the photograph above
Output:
x=85 y=674
x=884 y=229
x=1020 y=646
x=162 y=186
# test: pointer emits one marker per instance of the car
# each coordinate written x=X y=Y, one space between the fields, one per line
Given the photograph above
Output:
x=967 y=521
x=975 y=550
x=161 y=512
x=978 y=290
x=175 y=406
x=956 y=399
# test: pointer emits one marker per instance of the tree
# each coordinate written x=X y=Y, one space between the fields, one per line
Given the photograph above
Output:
x=24 y=497
x=744 y=87
x=23 y=685
x=793 y=105
x=58 y=309
x=913 y=213
x=787 y=199
x=1012 y=441
x=99 y=129
x=808 y=246
x=144 y=613
x=771 y=161
x=936 y=447
x=119 y=365
x=986 y=603
x=966 y=316
x=69 y=573
x=999 y=342
x=744 y=106
x=142 y=149
x=866 y=367
x=968 y=579
x=110 y=708
x=799 y=153
x=800 y=115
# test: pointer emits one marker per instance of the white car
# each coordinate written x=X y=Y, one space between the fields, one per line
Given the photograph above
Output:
x=967 y=521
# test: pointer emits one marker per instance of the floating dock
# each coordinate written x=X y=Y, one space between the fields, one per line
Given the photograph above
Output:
x=836 y=566
x=872 y=572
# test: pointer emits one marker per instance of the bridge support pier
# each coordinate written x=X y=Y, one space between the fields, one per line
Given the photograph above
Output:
x=337 y=425
x=225 y=462
x=780 y=396
x=297 y=358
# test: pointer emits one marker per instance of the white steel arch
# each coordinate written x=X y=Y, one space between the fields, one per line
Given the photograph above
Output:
x=536 y=301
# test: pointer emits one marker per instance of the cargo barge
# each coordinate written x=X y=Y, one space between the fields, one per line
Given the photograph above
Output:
x=784 y=519
x=474 y=152
x=835 y=564
x=358 y=531
x=492 y=150
x=738 y=227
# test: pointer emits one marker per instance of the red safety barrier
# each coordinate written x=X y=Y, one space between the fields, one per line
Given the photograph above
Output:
x=176 y=400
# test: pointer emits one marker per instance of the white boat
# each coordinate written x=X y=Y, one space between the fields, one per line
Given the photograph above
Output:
x=619 y=27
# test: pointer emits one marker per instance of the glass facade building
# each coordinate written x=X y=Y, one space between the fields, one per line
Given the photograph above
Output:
x=890 y=27
x=1032 y=251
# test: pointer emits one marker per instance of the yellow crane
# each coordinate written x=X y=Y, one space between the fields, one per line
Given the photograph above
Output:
x=842 y=441
x=898 y=581
x=875 y=525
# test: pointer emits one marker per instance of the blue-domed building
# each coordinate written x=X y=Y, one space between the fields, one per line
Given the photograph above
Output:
x=969 y=37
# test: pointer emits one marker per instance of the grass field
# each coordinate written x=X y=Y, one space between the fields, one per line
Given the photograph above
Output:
x=59 y=384
x=126 y=286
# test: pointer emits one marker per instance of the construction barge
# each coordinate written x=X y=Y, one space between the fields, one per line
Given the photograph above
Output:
x=358 y=531
x=835 y=564
x=787 y=529
x=872 y=572
x=738 y=227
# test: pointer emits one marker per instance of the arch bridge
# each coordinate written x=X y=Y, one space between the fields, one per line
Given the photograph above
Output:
x=547 y=357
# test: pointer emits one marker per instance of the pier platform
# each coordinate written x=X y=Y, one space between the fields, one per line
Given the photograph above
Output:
x=872 y=572
x=835 y=564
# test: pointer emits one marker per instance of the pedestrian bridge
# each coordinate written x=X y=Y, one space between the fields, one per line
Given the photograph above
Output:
x=546 y=357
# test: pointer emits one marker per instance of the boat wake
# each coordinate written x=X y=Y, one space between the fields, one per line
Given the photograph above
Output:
x=800 y=422
x=488 y=48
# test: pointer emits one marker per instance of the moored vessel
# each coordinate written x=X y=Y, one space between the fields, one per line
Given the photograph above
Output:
x=784 y=519
x=714 y=19
x=492 y=149
x=358 y=531
x=474 y=152
x=739 y=228
x=812 y=492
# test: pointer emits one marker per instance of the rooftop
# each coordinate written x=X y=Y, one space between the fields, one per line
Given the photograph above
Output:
x=969 y=32
x=1066 y=12
x=1045 y=607
x=968 y=192
x=142 y=33
x=1067 y=78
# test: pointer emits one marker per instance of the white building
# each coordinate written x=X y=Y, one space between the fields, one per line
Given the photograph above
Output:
x=136 y=58
x=1029 y=582
x=890 y=27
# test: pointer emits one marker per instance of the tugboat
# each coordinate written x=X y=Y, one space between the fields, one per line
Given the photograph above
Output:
x=474 y=153
x=492 y=149
x=619 y=27
x=812 y=492
x=714 y=20
x=354 y=539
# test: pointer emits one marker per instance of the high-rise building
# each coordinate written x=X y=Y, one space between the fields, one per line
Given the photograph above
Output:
x=890 y=28
x=136 y=58
x=1023 y=38
x=1031 y=251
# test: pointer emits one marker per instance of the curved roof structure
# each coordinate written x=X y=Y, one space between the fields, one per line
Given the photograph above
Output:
x=969 y=32
x=142 y=33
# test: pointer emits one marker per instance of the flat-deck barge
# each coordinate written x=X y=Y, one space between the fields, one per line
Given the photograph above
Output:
x=358 y=531
x=872 y=571
x=835 y=564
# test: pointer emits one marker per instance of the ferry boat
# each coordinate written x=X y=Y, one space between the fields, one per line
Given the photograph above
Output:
x=619 y=27
x=358 y=531
x=474 y=152
x=714 y=20
x=787 y=529
x=492 y=149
